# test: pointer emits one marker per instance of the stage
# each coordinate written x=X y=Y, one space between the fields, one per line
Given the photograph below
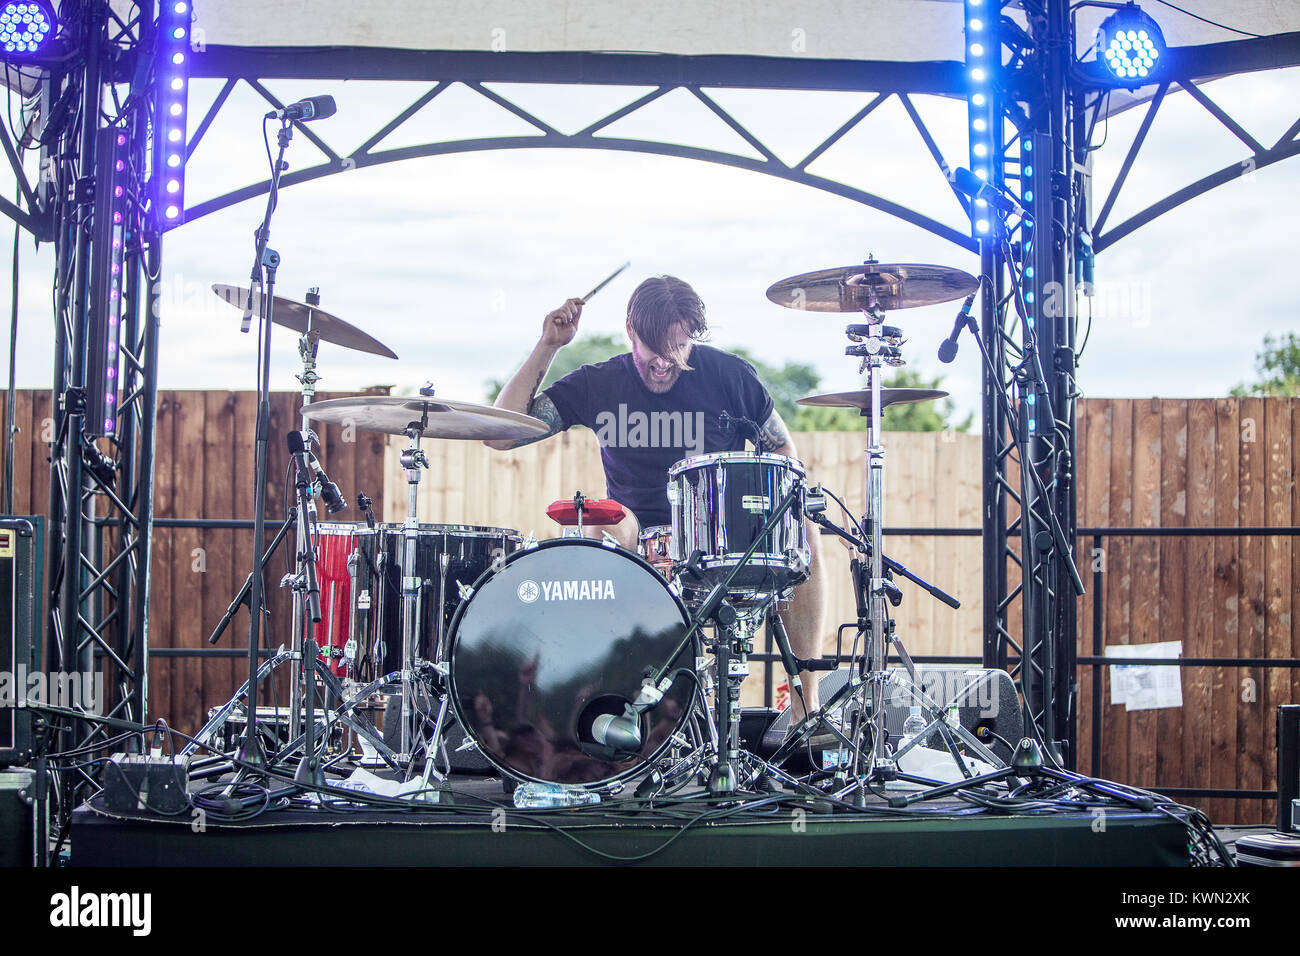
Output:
x=472 y=834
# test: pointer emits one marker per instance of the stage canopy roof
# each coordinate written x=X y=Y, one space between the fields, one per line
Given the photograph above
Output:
x=894 y=30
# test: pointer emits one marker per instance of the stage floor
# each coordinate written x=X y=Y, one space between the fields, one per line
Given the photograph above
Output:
x=473 y=834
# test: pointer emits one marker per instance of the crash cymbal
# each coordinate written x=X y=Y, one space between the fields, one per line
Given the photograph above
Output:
x=861 y=398
x=299 y=316
x=442 y=417
x=887 y=286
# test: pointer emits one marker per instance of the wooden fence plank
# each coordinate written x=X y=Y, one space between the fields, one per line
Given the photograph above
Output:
x=1276 y=687
x=1250 y=717
x=218 y=483
x=1115 y=726
x=161 y=616
x=187 y=583
x=1172 y=557
x=1199 y=636
x=1145 y=581
x=1226 y=686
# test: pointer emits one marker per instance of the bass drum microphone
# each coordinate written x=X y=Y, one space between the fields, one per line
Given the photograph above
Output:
x=604 y=730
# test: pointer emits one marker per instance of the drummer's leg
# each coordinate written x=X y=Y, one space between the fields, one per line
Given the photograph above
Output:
x=626 y=532
x=805 y=622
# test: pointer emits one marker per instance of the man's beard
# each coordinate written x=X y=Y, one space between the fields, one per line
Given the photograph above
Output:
x=656 y=384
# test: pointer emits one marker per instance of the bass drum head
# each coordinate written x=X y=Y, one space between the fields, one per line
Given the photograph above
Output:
x=559 y=627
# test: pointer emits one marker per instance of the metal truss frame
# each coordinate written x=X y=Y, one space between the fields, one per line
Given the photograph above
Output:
x=371 y=153
x=101 y=491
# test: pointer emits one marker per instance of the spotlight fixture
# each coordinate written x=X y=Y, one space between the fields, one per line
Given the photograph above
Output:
x=27 y=28
x=1130 y=46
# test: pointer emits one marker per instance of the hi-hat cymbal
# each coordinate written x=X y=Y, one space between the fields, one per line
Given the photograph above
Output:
x=861 y=398
x=300 y=317
x=886 y=286
x=442 y=417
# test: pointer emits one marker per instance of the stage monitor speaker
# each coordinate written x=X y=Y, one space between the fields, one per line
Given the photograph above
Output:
x=984 y=701
x=21 y=556
x=18 y=822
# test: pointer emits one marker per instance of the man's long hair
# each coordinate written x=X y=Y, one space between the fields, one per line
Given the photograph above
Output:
x=658 y=305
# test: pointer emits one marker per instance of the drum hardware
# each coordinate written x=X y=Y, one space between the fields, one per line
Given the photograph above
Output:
x=413 y=460
x=873 y=289
x=580 y=510
x=620 y=732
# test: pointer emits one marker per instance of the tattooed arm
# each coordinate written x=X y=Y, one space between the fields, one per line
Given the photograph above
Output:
x=520 y=393
x=774 y=437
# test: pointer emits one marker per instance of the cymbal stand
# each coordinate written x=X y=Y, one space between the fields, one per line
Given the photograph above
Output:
x=875 y=349
x=308 y=344
x=413 y=459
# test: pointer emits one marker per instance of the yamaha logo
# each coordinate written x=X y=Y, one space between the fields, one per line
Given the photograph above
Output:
x=596 y=589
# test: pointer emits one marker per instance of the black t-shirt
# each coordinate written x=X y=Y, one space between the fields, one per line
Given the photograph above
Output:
x=642 y=434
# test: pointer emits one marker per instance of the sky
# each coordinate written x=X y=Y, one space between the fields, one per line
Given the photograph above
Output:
x=453 y=261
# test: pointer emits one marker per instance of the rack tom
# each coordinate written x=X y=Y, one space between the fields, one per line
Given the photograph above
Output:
x=720 y=504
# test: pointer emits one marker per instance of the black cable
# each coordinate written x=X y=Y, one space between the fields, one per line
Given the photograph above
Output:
x=1213 y=23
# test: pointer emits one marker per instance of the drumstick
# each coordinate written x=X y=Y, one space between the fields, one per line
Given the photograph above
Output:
x=607 y=281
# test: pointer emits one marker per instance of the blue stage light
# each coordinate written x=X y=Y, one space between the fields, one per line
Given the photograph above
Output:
x=1130 y=45
x=982 y=64
x=171 y=104
x=26 y=28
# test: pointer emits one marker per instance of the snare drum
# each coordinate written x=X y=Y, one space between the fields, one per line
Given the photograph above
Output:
x=720 y=503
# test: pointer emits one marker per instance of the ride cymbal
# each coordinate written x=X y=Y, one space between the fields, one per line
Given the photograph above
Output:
x=880 y=285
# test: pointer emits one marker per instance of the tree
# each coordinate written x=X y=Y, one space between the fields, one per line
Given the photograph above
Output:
x=1278 y=365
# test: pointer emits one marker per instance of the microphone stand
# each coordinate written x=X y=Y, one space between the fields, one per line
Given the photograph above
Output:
x=242 y=597
x=307 y=584
x=265 y=260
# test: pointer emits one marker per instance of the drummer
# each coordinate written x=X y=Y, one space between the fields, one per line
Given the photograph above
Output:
x=655 y=405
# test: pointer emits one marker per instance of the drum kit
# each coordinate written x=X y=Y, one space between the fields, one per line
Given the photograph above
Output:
x=574 y=666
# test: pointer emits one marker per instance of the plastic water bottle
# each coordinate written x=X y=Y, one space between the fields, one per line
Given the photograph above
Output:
x=541 y=796
x=913 y=726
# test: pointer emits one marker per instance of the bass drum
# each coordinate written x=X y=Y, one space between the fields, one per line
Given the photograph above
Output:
x=561 y=629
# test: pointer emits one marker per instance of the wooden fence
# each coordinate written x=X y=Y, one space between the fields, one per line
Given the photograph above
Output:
x=1142 y=463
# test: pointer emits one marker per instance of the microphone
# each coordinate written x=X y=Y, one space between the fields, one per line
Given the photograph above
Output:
x=976 y=188
x=948 y=348
x=298 y=450
x=609 y=726
x=312 y=108
x=329 y=491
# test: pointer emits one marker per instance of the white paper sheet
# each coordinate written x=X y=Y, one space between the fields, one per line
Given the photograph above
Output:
x=1141 y=686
